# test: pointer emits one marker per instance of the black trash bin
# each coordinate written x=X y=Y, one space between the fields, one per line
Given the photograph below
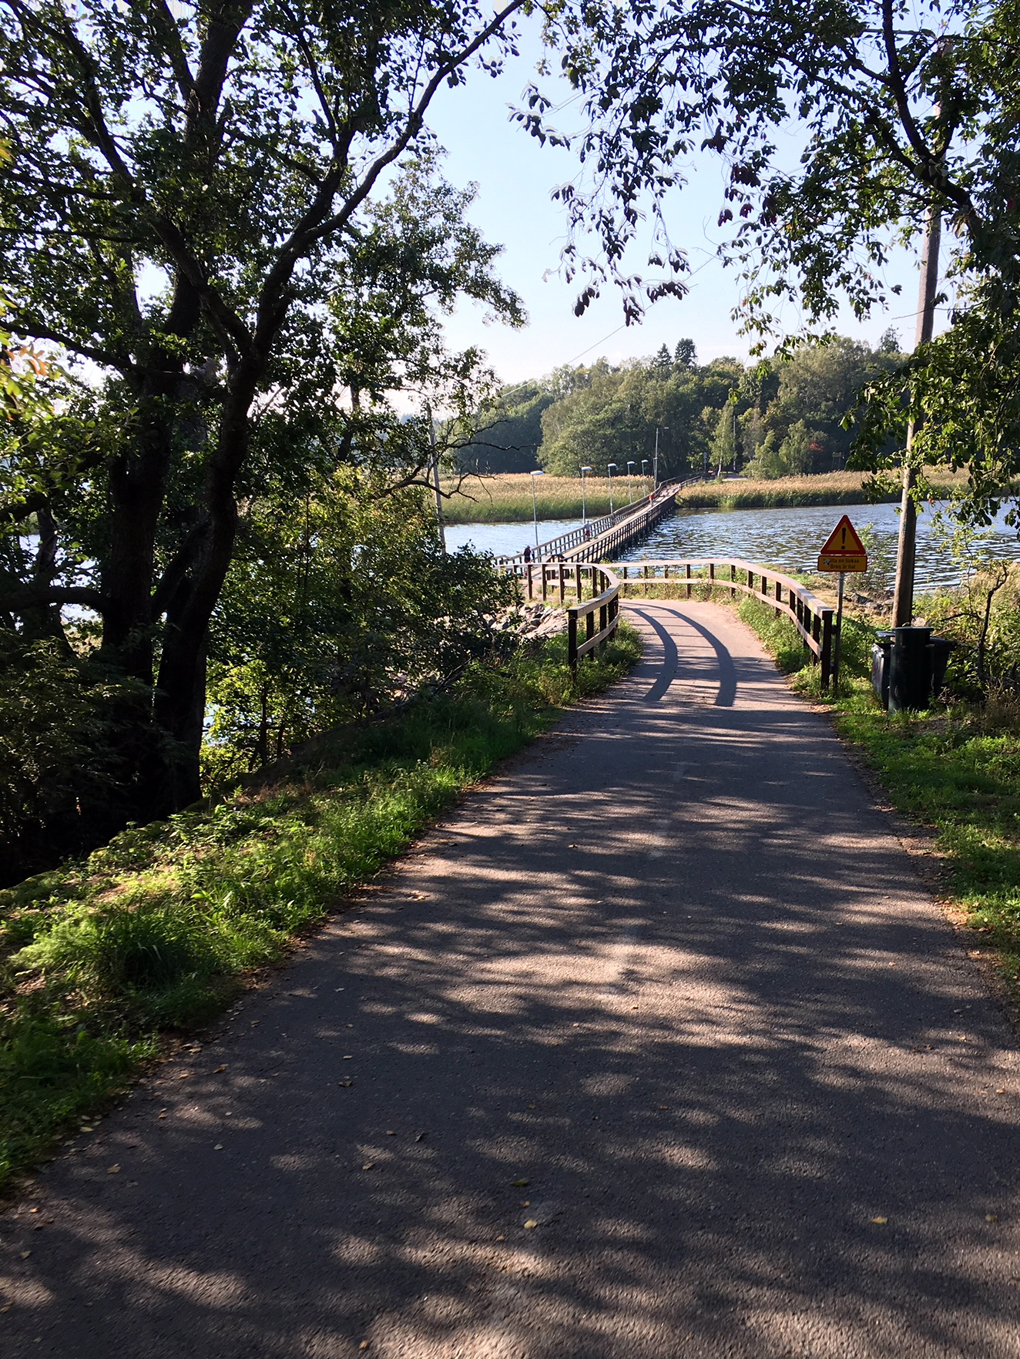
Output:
x=880 y=666
x=940 y=648
x=910 y=669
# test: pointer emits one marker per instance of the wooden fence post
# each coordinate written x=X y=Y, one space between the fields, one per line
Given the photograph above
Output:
x=826 y=656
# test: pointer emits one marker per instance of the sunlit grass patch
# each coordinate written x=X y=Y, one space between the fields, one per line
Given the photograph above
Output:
x=826 y=488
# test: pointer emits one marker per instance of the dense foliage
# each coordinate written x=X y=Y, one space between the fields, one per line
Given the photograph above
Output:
x=235 y=217
x=792 y=415
x=335 y=613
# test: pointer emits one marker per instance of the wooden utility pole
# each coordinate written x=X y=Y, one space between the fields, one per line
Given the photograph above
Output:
x=434 y=469
x=903 y=593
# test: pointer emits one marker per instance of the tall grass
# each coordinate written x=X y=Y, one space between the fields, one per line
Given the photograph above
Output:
x=506 y=498
x=829 y=488
x=157 y=931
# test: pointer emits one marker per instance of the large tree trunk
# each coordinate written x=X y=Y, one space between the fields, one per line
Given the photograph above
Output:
x=137 y=485
x=180 y=689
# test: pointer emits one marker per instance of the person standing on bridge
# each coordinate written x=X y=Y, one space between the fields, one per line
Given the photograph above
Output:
x=527 y=555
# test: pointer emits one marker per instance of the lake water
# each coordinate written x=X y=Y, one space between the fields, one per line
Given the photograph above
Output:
x=788 y=539
x=505 y=540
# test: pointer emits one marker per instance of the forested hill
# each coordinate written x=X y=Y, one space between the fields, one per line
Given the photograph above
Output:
x=775 y=419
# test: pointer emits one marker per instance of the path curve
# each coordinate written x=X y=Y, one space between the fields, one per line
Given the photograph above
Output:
x=656 y=1048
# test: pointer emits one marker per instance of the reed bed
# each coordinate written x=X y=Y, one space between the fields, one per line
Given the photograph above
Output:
x=505 y=498
x=825 y=488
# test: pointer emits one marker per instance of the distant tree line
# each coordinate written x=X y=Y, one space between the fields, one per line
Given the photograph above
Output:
x=773 y=419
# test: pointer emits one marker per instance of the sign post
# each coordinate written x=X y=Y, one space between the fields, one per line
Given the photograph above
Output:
x=843 y=552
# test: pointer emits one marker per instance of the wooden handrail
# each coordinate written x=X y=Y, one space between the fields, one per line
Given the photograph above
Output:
x=564 y=577
x=606 y=603
x=812 y=618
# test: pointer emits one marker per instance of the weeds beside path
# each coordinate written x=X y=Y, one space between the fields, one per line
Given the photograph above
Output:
x=155 y=933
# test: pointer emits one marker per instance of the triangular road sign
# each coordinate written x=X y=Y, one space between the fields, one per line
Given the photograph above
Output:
x=843 y=538
x=843 y=550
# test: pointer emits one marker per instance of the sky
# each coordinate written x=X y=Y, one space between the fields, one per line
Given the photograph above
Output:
x=515 y=175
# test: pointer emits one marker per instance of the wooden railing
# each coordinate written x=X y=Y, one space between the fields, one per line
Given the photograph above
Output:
x=606 y=604
x=561 y=579
x=812 y=618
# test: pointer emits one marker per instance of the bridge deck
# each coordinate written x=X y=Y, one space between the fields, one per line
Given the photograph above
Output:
x=657 y=1048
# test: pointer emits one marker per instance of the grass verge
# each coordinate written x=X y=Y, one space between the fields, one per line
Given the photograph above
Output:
x=954 y=770
x=102 y=962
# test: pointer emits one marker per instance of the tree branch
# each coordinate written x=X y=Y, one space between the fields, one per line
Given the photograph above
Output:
x=162 y=21
x=28 y=597
x=108 y=358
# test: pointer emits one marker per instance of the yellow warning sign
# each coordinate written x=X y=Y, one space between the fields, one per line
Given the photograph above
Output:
x=843 y=550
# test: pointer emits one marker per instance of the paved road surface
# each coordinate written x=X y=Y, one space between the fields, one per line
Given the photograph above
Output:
x=657 y=1048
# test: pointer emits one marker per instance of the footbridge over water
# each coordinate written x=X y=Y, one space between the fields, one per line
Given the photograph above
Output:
x=599 y=539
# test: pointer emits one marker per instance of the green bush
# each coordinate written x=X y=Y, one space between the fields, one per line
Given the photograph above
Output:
x=59 y=788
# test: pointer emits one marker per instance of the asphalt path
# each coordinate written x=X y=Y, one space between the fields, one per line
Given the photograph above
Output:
x=656 y=1047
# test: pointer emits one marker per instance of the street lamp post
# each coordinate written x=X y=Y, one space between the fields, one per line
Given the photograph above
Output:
x=611 y=468
x=644 y=470
x=655 y=464
x=630 y=484
x=584 y=501
x=534 y=505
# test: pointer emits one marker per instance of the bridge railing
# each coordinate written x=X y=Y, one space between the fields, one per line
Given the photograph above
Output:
x=811 y=616
x=560 y=579
x=596 y=539
x=606 y=604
